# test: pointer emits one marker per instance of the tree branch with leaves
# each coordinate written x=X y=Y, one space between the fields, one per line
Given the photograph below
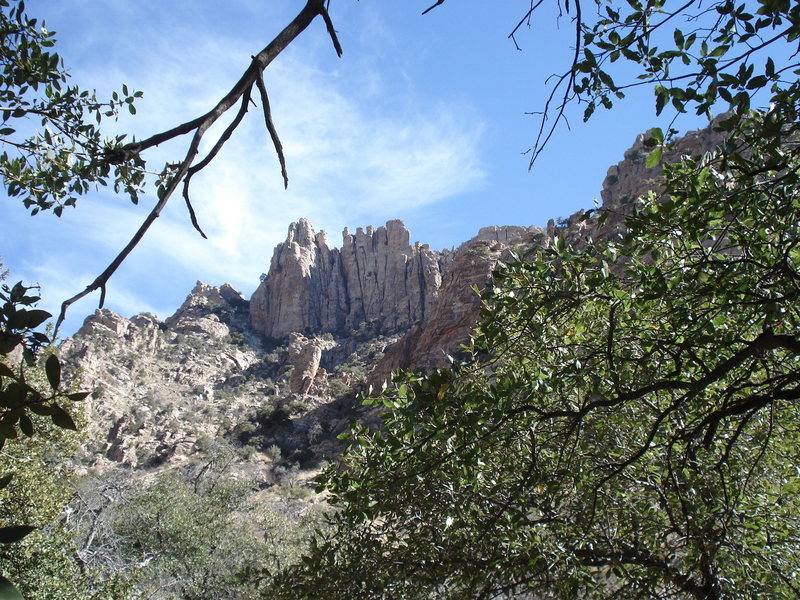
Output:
x=182 y=172
x=625 y=424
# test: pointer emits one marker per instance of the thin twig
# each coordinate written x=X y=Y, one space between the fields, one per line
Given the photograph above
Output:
x=200 y=126
x=212 y=154
x=430 y=8
x=569 y=76
x=273 y=133
x=513 y=34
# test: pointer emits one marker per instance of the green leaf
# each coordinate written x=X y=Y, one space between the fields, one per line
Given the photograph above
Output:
x=44 y=410
x=14 y=533
x=53 y=369
x=36 y=317
x=26 y=425
x=8 y=591
x=654 y=157
x=719 y=51
x=61 y=418
x=661 y=100
x=657 y=134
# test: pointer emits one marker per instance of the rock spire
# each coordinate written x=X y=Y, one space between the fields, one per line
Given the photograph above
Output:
x=376 y=275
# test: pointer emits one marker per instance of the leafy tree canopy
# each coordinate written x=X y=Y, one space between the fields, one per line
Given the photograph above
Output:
x=35 y=487
x=627 y=425
x=52 y=148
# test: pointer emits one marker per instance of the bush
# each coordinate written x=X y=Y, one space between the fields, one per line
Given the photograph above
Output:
x=274 y=453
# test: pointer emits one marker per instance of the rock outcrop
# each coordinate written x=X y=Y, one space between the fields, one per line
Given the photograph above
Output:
x=258 y=373
x=151 y=379
x=376 y=275
x=449 y=322
x=305 y=355
x=197 y=313
x=451 y=319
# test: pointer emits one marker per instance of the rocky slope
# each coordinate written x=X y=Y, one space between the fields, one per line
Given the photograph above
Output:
x=162 y=390
x=277 y=375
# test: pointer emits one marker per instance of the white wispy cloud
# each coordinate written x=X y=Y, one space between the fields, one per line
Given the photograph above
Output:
x=359 y=151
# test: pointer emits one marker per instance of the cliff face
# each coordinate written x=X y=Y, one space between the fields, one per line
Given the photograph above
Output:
x=334 y=318
x=376 y=275
x=451 y=319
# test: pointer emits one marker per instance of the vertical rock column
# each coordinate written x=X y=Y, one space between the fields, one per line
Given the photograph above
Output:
x=297 y=294
x=376 y=275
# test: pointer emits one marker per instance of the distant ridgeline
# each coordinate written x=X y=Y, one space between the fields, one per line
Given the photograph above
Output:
x=323 y=322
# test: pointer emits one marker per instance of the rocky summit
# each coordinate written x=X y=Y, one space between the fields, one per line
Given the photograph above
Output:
x=281 y=370
x=375 y=276
x=278 y=375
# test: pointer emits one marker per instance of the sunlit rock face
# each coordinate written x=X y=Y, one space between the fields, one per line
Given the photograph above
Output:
x=338 y=318
x=151 y=379
x=376 y=275
x=450 y=320
x=304 y=355
x=196 y=314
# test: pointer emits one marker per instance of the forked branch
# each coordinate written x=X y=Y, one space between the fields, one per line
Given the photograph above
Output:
x=239 y=94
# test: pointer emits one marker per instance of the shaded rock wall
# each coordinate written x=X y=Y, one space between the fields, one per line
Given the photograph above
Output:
x=451 y=319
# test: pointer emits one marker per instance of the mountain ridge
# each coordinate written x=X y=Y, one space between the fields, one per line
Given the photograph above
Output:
x=284 y=368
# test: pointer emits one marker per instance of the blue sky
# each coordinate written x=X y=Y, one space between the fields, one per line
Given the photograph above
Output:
x=422 y=119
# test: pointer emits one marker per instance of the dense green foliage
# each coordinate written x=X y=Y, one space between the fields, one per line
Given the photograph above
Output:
x=39 y=485
x=52 y=152
x=33 y=473
x=636 y=433
x=628 y=424
x=205 y=535
x=20 y=342
x=65 y=155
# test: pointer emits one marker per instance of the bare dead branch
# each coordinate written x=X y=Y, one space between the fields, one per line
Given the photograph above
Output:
x=527 y=18
x=430 y=8
x=213 y=153
x=331 y=31
x=273 y=133
x=241 y=90
x=192 y=214
x=544 y=134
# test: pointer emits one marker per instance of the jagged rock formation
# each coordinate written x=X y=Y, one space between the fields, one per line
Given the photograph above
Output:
x=196 y=314
x=153 y=379
x=427 y=345
x=630 y=178
x=376 y=275
x=456 y=311
x=163 y=389
x=259 y=372
x=305 y=355
x=507 y=235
